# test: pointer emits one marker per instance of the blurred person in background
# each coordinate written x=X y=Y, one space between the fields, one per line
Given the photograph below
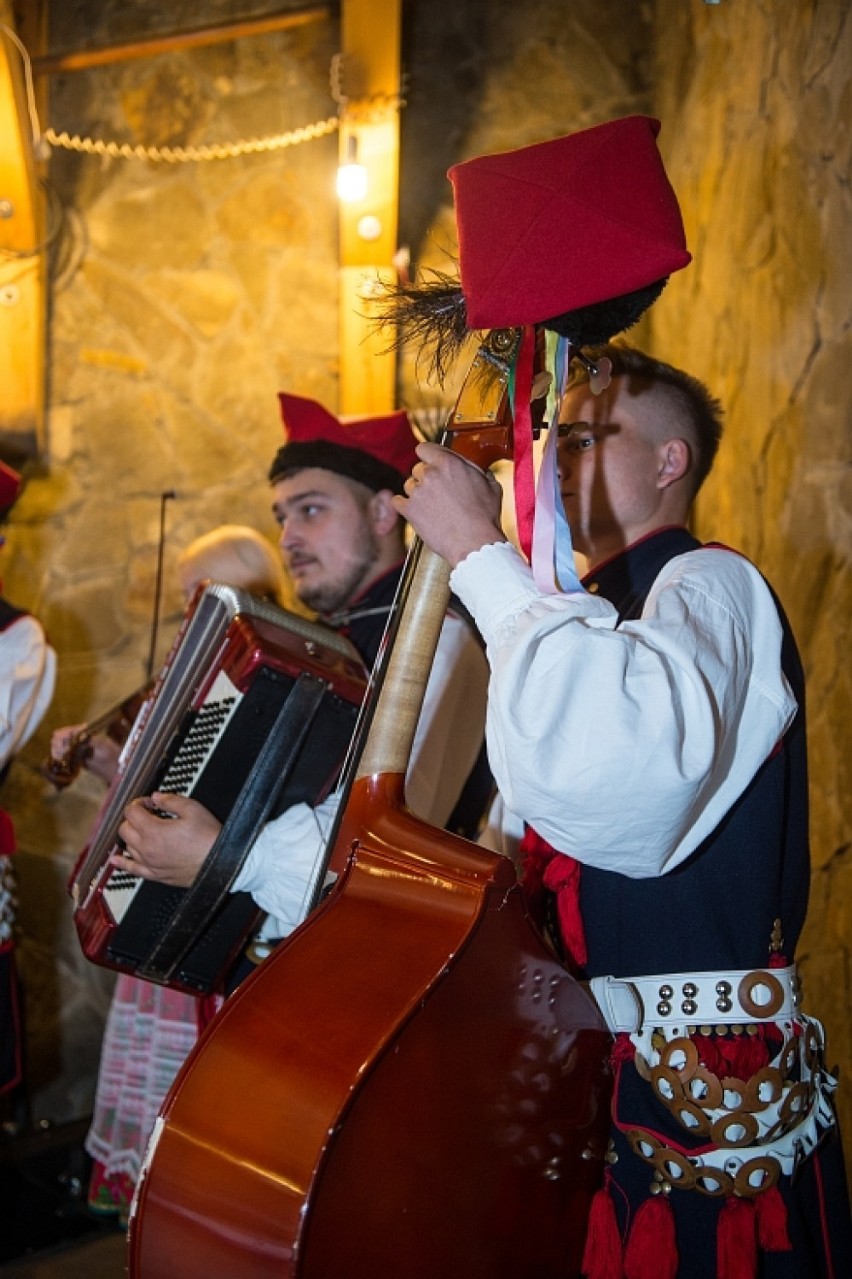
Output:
x=150 y=1029
x=27 y=680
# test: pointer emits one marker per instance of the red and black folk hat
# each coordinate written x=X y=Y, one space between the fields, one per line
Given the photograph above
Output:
x=563 y=224
x=578 y=234
x=377 y=451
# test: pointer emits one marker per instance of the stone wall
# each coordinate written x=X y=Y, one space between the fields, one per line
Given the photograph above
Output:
x=756 y=102
x=184 y=297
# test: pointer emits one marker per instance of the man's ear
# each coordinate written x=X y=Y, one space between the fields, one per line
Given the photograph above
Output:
x=384 y=516
x=675 y=462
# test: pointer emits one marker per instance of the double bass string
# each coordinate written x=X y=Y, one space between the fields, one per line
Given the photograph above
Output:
x=366 y=713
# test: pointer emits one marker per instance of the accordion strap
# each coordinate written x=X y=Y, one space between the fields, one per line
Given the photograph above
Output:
x=242 y=827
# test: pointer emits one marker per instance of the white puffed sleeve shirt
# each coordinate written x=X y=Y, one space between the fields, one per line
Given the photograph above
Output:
x=626 y=746
x=27 y=680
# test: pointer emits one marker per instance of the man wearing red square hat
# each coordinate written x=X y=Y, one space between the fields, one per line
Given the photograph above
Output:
x=645 y=726
x=27 y=678
x=333 y=485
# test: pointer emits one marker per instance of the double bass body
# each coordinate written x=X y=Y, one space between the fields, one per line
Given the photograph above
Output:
x=411 y=1085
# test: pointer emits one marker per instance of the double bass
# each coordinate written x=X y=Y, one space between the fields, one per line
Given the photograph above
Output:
x=411 y=1084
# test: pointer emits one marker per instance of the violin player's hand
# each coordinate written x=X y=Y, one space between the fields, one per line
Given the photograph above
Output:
x=451 y=503
x=166 y=838
x=99 y=754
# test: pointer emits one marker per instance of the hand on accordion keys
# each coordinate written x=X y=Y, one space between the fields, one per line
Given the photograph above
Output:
x=165 y=838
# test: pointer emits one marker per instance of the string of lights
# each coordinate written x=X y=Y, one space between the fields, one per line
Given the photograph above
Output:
x=191 y=154
x=50 y=139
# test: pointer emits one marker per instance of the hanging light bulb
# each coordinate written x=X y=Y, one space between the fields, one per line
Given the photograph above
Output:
x=351 y=176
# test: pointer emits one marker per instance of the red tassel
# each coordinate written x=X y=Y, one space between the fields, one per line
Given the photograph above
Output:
x=651 y=1251
x=736 y=1240
x=535 y=853
x=772 y=1221
x=602 y=1254
x=562 y=877
x=543 y=867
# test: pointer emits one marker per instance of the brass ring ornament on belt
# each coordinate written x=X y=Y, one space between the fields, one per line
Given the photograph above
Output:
x=681 y=1056
x=670 y=1164
x=788 y=1057
x=691 y=1117
x=764 y=1088
x=812 y=1042
x=674 y=1167
x=666 y=1085
x=779 y=1129
x=643 y=1144
x=766 y=1167
x=795 y=1103
x=713 y=1182
x=733 y=1092
x=704 y=1089
x=750 y=984
x=736 y=1129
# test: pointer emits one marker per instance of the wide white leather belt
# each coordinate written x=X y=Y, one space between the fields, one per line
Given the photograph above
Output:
x=697 y=999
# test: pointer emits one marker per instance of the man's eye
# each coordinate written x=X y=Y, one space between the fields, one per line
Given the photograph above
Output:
x=575 y=443
x=576 y=438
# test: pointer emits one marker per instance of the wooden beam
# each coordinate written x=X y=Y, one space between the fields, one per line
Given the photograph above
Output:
x=370 y=83
x=22 y=261
x=54 y=64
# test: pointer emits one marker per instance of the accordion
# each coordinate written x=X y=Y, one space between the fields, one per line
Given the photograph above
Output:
x=253 y=711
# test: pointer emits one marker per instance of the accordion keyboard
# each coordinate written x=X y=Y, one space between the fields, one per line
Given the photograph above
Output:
x=209 y=724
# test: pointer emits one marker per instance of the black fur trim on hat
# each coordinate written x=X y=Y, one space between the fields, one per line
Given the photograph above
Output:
x=597 y=323
x=430 y=313
x=355 y=464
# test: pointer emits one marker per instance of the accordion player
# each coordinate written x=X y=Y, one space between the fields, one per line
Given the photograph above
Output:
x=253 y=711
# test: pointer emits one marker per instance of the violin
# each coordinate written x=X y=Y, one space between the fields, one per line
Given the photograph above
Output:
x=115 y=723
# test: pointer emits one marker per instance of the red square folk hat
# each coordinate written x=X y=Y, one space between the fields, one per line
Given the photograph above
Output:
x=565 y=224
x=378 y=451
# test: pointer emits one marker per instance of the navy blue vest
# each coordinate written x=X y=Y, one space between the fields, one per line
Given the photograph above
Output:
x=9 y=614
x=718 y=909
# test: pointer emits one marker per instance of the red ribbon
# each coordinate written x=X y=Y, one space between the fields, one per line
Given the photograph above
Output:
x=523 y=441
